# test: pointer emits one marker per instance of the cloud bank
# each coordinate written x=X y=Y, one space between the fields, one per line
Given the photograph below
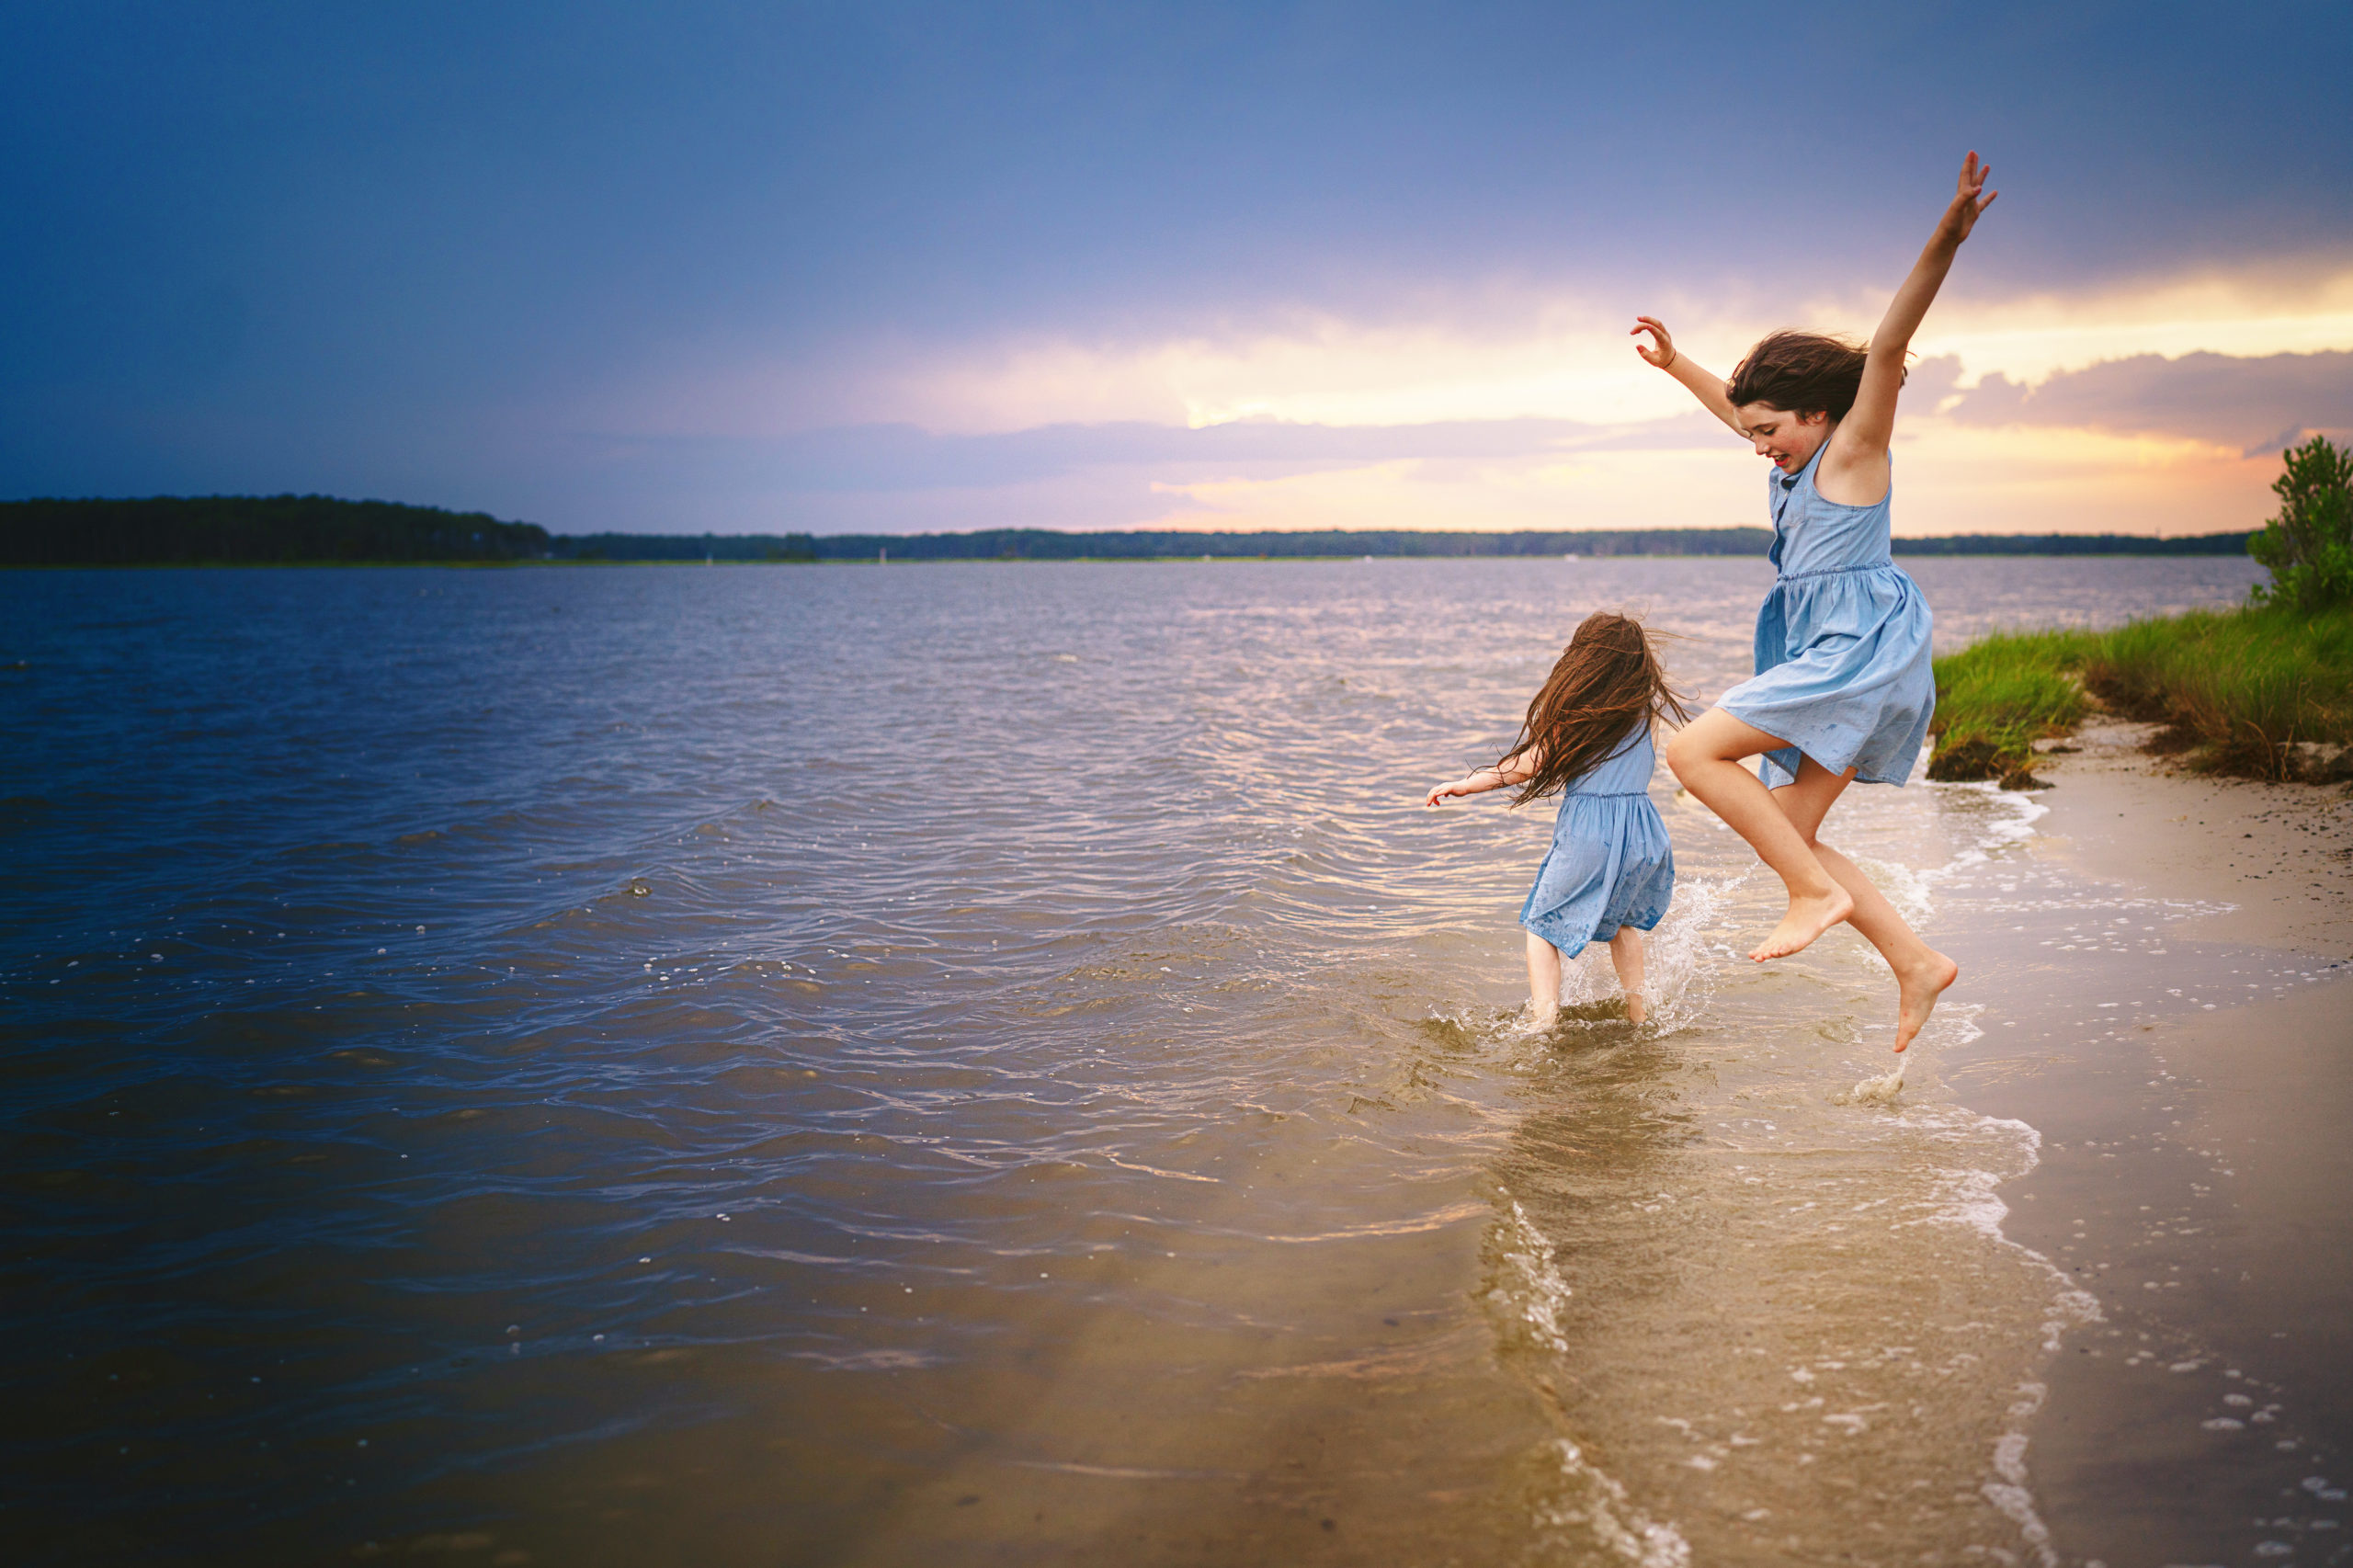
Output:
x=2258 y=404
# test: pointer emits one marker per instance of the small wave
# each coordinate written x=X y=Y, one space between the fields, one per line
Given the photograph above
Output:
x=2010 y=1495
x=1524 y=1296
x=1968 y=1197
x=1594 y=1502
x=1996 y=818
x=1905 y=887
x=1524 y=1290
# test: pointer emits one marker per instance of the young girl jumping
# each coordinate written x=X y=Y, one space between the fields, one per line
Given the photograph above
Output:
x=1610 y=870
x=1843 y=688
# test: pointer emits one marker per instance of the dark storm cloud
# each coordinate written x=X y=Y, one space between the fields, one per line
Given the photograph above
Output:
x=2260 y=403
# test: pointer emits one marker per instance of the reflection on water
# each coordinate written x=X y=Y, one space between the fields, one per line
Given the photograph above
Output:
x=880 y=1065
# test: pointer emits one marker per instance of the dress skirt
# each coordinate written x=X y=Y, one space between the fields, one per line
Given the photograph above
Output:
x=1610 y=865
x=1844 y=674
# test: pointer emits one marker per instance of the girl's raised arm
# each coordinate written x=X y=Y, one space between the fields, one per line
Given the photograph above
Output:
x=1861 y=438
x=1699 y=382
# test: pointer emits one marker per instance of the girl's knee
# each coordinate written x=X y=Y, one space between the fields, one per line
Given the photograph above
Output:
x=1683 y=751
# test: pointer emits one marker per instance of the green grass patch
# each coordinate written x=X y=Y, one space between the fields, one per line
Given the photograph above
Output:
x=2265 y=692
x=2000 y=694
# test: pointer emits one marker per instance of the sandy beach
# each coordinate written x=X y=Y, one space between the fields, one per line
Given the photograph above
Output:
x=2195 y=1171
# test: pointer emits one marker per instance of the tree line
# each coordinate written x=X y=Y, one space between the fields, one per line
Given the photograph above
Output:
x=293 y=529
x=187 y=530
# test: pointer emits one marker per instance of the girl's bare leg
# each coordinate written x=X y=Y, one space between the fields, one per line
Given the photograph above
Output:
x=1922 y=973
x=1626 y=958
x=1544 y=982
x=1705 y=755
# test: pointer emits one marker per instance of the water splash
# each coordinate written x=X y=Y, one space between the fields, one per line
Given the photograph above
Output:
x=1678 y=977
x=1880 y=1090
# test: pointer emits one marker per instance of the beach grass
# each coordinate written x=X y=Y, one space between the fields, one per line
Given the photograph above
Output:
x=2001 y=694
x=2264 y=692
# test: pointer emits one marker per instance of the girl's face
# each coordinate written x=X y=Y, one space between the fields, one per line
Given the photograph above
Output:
x=1790 y=439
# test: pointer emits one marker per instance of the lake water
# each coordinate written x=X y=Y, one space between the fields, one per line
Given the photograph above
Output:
x=962 y=1063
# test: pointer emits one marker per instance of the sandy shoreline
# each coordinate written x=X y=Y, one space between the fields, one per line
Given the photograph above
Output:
x=2195 y=1176
x=2281 y=853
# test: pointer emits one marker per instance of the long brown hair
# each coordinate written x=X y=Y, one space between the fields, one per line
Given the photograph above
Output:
x=1606 y=682
x=1799 y=372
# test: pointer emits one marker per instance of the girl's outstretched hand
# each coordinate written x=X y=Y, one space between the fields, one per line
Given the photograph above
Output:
x=1967 y=204
x=1660 y=351
x=1438 y=793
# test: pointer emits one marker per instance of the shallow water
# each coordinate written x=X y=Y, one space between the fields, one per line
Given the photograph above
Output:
x=964 y=1063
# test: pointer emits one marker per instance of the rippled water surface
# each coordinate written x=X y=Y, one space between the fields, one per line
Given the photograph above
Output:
x=959 y=1063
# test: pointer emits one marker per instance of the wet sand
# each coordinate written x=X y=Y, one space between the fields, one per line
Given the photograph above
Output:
x=2198 y=1178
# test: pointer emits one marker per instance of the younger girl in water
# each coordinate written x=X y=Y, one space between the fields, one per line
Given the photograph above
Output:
x=1843 y=688
x=1610 y=870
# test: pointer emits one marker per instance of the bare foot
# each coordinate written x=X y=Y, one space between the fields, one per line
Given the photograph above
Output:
x=1540 y=1015
x=1636 y=1008
x=1807 y=918
x=1920 y=988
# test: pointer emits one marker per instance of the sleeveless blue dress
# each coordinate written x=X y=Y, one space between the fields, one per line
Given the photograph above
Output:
x=1611 y=864
x=1843 y=642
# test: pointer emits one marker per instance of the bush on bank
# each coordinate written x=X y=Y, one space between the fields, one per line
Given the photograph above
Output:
x=2309 y=546
x=2264 y=692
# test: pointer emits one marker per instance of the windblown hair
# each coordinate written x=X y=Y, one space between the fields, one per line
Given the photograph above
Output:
x=1606 y=683
x=1799 y=372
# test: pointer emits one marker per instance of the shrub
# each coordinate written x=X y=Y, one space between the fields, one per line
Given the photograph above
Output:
x=2309 y=546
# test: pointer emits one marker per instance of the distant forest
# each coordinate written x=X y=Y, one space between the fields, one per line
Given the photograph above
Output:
x=171 y=530
x=296 y=529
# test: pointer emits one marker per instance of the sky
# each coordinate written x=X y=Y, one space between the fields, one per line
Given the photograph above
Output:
x=897 y=268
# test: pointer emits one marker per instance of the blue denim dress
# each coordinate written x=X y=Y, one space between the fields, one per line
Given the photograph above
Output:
x=1843 y=652
x=1611 y=864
